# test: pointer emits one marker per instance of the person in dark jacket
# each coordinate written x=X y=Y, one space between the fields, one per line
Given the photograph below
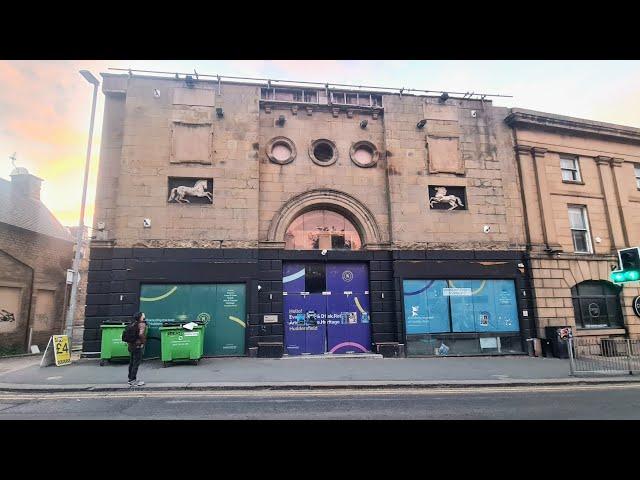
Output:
x=136 y=348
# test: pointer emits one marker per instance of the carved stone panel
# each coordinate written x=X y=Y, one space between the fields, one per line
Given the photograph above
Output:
x=190 y=190
x=191 y=143
x=447 y=197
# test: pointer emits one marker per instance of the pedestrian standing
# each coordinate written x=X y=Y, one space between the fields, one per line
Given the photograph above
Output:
x=136 y=336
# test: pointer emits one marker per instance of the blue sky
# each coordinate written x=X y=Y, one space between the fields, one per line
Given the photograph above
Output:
x=45 y=105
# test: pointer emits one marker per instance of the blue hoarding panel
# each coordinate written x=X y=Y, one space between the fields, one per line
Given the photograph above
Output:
x=462 y=313
x=315 y=307
x=476 y=306
x=294 y=324
x=506 y=308
x=415 y=306
x=343 y=277
x=438 y=307
x=293 y=277
x=348 y=327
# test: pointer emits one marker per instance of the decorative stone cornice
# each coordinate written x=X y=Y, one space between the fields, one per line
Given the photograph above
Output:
x=539 y=151
x=602 y=160
x=546 y=121
x=523 y=149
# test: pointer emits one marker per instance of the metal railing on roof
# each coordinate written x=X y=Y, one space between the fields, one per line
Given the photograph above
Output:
x=268 y=82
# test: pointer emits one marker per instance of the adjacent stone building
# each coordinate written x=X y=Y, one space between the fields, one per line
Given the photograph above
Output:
x=298 y=220
x=580 y=189
x=35 y=252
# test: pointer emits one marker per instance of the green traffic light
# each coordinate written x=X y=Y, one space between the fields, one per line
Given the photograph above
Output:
x=632 y=275
x=618 y=277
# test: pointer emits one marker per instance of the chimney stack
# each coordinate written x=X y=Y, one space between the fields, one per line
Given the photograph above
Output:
x=25 y=184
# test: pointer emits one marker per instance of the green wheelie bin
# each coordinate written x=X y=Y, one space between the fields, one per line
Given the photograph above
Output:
x=181 y=344
x=112 y=346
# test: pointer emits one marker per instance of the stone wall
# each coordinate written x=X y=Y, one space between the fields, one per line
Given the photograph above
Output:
x=148 y=157
x=553 y=280
x=488 y=174
x=49 y=258
x=279 y=184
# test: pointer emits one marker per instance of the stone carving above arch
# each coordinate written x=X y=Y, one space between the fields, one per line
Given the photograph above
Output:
x=340 y=202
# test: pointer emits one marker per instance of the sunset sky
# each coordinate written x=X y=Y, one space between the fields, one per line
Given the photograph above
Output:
x=45 y=105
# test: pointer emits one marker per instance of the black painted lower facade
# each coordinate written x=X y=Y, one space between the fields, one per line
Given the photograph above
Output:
x=116 y=274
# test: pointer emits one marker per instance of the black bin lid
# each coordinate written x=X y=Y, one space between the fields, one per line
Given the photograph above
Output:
x=174 y=323
x=114 y=322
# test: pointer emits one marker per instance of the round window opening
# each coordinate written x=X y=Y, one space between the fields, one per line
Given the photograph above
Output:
x=364 y=154
x=281 y=150
x=323 y=152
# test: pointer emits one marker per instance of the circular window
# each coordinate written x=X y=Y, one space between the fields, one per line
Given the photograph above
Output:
x=364 y=154
x=323 y=152
x=281 y=150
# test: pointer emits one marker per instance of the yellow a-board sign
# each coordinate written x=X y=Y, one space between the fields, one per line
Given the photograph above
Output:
x=58 y=348
x=62 y=350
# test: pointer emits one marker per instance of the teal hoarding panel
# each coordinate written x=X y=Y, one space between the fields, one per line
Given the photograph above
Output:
x=217 y=306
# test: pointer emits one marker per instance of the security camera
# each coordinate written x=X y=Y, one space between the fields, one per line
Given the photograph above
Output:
x=474 y=114
x=486 y=229
x=259 y=287
x=323 y=252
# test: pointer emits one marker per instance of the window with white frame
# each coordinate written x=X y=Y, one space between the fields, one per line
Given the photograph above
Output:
x=570 y=169
x=637 y=169
x=580 y=229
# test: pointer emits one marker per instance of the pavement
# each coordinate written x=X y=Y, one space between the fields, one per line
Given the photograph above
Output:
x=23 y=374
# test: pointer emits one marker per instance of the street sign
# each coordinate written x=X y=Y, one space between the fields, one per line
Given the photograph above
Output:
x=57 y=352
x=69 y=276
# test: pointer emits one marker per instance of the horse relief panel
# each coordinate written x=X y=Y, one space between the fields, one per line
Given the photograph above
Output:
x=447 y=198
x=190 y=190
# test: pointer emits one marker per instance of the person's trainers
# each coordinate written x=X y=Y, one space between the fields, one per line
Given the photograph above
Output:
x=131 y=383
x=139 y=383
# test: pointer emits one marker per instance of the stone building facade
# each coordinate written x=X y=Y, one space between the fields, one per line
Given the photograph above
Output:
x=581 y=186
x=35 y=252
x=312 y=220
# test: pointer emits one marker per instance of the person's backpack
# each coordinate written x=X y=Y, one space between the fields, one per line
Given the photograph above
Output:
x=130 y=333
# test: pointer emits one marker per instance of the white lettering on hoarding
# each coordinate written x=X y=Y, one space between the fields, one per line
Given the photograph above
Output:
x=456 y=292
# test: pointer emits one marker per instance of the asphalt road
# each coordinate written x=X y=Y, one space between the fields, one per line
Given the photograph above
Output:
x=531 y=403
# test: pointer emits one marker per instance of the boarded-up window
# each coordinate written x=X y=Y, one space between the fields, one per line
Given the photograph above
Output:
x=444 y=155
x=45 y=310
x=191 y=143
x=443 y=138
x=194 y=97
x=9 y=308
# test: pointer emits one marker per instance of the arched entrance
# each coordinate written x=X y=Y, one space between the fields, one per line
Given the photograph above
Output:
x=326 y=303
x=343 y=204
x=322 y=229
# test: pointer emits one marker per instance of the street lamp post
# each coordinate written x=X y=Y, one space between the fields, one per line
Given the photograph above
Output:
x=76 y=260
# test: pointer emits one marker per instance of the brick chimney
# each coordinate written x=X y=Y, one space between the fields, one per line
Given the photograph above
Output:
x=25 y=184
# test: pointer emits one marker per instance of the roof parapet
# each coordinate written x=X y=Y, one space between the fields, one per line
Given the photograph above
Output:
x=578 y=126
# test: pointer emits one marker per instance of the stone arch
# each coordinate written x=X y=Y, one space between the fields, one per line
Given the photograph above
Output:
x=353 y=209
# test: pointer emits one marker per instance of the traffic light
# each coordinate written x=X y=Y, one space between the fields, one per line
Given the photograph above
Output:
x=629 y=266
